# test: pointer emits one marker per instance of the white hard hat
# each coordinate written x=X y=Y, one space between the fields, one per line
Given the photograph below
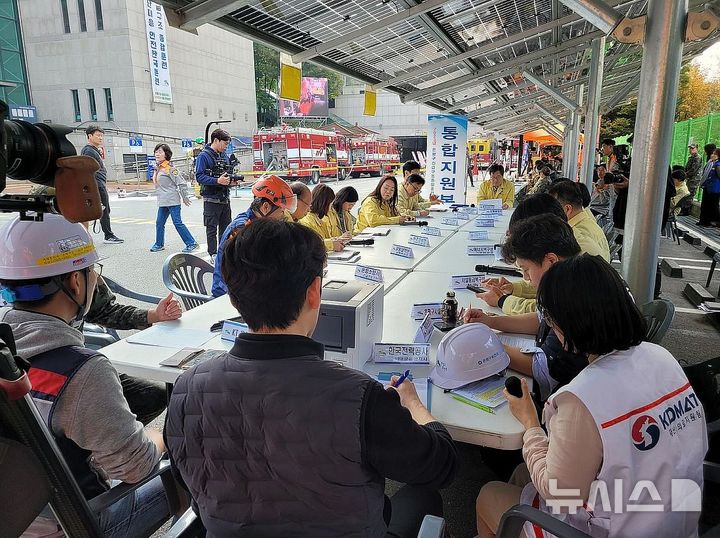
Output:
x=32 y=250
x=468 y=354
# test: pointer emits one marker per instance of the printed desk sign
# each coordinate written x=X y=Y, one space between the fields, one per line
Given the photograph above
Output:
x=400 y=250
x=496 y=213
x=480 y=250
x=430 y=230
x=480 y=235
x=425 y=331
x=231 y=329
x=460 y=282
x=469 y=210
x=419 y=240
x=486 y=205
x=369 y=273
x=420 y=310
x=450 y=222
x=462 y=216
x=485 y=223
x=405 y=353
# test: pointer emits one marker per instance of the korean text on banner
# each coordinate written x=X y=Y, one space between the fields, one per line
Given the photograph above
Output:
x=370 y=102
x=155 y=24
x=447 y=149
x=290 y=78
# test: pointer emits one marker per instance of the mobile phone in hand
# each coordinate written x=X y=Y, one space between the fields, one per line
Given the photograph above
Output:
x=476 y=289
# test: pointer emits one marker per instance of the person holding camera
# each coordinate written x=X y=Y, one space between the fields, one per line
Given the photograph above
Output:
x=171 y=189
x=214 y=187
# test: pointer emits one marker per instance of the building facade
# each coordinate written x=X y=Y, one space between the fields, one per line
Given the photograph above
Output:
x=13 y=77
x=89 y=62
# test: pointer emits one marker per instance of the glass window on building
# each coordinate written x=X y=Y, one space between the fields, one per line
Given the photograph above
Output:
x=99 y=15
x=14 y=89
x=76 y=105
x=83 y=20
x=65 y=16
x=108 y=104
x=93 y=106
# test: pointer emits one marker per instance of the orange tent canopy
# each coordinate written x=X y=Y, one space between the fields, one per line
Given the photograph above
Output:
x=542 y=137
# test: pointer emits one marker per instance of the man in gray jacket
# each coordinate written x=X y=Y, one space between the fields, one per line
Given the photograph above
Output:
x=49 y=271
x=272 y=440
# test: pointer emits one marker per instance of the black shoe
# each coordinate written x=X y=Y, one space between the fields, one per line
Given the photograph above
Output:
x=113 y=240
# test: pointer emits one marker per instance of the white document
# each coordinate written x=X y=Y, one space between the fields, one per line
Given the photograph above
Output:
x=421 y=385
x=521 y=341
x=345 y=255
x=163 y=335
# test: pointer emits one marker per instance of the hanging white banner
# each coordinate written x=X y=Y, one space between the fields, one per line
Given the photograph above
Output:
x=446 y=152
x=155 y=25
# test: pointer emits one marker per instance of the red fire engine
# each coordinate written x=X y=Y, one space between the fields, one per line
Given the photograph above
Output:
x=370 y=154
x=296 y=152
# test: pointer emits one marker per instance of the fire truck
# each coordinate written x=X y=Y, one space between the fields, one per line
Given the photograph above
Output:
x=296 y=153
x=370 y=154
x=479 y=150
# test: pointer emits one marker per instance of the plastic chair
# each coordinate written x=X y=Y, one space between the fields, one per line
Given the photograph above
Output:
x=183 y=275
x=131 y=294
x=28 y=449
x=658 y=316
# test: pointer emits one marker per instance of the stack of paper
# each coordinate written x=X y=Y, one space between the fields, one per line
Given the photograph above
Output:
x=345 y=255
x=486 y=394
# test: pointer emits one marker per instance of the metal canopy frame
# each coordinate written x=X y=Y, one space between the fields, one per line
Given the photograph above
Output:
x=460 y=56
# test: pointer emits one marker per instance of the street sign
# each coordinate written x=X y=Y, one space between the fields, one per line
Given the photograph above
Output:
x=136 y=144
x=186 y=143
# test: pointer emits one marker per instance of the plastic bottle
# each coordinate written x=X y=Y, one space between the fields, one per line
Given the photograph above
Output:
x=450 y=308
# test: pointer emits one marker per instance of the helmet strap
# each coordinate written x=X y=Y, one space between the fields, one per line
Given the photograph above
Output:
x=79 y=318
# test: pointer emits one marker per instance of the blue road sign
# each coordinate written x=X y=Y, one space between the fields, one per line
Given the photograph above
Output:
x=135 y=141
x=186 y=143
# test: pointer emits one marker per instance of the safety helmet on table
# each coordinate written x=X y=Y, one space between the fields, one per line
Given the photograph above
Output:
x=275 y=190
x=468 y=354
x=33 y=250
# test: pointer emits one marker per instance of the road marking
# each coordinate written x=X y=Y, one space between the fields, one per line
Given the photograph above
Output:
x=685 y=259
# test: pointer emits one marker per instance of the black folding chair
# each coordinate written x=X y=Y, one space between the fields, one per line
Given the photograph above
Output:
x=29 y=453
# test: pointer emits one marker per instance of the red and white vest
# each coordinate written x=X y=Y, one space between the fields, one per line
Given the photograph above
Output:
x=654 y=438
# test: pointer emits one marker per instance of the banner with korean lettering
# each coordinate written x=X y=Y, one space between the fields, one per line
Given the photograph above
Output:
x=446 y=153
x=155 y=25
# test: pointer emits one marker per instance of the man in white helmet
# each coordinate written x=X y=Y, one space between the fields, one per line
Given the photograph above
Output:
x=48 y=272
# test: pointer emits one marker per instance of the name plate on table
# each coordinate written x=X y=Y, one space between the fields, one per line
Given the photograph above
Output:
x=480 y=250
x=430 y=230
x=462 y=216
x=419 y=240
x=231 y=329
x=420 y=310
x=369 y=273
x=450 y=222
x=469 y=210
x=495 y=203
x=425 y=331
x=460 y=282
x=485 y=223
x=404 y=353
x=496 y=213
x=400 y=250
x=480 y=235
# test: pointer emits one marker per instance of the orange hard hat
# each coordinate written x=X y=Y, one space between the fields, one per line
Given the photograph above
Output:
x=277 y=191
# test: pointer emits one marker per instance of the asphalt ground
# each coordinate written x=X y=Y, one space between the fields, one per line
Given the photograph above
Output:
x=693 y=336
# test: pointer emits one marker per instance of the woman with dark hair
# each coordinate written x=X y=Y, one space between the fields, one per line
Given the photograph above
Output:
x=630 y=418
x=170 y=189
x=380 y=206
x=318 y=221
x=341 y=220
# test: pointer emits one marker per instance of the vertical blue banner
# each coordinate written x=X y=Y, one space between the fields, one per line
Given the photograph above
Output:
x=446 y=168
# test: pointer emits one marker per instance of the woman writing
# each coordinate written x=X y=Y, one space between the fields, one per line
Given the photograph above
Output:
x=171 y=189
x=380 y=206
x=318 y=221
x=341 y=220
x=614 y=427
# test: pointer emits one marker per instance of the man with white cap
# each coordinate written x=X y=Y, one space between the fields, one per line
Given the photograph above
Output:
x=48 y=272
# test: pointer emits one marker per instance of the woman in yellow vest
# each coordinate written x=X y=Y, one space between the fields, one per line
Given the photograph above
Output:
x=318 y=221
x=341 y=220
x=380 y=206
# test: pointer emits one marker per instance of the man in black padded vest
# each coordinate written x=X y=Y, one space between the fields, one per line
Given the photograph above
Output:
x=272 y=440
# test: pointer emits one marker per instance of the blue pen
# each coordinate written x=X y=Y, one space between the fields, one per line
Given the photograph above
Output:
x=401 y=378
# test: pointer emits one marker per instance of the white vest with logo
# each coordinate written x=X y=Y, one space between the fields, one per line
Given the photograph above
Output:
x=654 y=438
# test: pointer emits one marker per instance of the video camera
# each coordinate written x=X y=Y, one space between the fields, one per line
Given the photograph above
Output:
x=224 y=167
x=42 y=154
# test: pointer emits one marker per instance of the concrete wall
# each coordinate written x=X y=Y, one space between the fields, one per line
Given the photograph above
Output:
x=212 y=76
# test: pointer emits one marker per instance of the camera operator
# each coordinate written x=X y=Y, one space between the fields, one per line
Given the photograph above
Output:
x=214 y=187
